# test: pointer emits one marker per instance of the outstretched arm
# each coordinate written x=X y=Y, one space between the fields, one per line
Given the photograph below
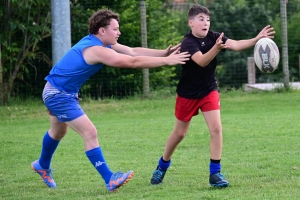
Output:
x=204 y=59
x=98 y=54
x=141 y=51
x=239 y=45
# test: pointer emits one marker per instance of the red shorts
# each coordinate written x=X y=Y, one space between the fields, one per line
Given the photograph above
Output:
x=185 y=109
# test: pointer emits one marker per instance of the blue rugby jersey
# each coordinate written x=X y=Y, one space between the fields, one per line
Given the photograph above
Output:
x=72 y=71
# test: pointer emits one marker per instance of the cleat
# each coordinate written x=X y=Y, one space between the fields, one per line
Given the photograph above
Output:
x=218 y=180
x=157 y=176
x=46 y=174
x=118 y=179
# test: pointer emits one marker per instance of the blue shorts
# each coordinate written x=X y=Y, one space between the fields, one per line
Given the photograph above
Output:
x=64 y=106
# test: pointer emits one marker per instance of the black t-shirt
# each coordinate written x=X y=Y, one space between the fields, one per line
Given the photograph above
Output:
x=196 y=81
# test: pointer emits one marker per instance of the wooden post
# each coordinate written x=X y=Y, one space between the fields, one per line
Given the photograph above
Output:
x=146 y=87
x=251 y=70
x=284 y=41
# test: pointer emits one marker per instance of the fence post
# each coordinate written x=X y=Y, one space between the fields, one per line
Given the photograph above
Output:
x=61 y=28
x=284 y=41
x=251 y=70
x=144 y=44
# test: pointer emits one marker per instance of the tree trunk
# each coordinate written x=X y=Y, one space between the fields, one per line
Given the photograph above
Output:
x=1 y=79
x=3 y=86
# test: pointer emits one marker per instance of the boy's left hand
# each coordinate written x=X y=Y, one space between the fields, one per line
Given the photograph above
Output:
x=171 y=49
x=268 y=32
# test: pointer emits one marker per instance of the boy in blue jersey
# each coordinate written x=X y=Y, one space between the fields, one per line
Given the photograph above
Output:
x=198 y=90
x=60 y=93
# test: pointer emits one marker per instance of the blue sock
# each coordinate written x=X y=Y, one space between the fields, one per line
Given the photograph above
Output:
x=214 y=168
x=48 y=148
x=97 y=159
x=164 y=165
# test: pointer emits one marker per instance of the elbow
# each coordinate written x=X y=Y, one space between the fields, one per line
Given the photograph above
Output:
x=203 y=64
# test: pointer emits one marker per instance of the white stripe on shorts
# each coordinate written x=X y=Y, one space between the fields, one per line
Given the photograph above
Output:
x=49 y=91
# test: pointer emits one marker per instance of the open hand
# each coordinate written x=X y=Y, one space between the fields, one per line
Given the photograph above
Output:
x=268 y=32
x=178 y=58
x=219 y=43
x=171 y=49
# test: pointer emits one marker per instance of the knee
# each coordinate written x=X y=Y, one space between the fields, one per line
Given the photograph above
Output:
x=217 y=130
x=57 y=134
x=180 y=134
x=90 y=134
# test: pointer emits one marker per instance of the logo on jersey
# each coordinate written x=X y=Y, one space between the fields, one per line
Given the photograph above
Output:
x=203 y=44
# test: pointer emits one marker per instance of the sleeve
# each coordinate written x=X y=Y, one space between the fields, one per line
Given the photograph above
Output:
x=189 y=46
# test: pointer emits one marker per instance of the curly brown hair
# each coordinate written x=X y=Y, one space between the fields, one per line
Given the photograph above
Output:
x=100 y=19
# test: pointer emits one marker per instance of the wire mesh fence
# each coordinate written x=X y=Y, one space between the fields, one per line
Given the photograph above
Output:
x=26 y=47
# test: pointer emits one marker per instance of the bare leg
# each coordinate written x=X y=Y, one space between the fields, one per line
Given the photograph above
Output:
x=58 y=129
x=213 y=120
x=177 y=135
x=87 y=130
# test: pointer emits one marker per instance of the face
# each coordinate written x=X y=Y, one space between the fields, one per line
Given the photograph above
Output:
x=200 y=25
x=111 y=33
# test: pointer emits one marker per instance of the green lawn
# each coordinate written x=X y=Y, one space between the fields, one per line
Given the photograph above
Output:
x=260 y=151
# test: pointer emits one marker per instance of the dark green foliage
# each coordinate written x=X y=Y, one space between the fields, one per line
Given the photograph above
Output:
x=25 y=48
x=23 y=25
x=161 y=32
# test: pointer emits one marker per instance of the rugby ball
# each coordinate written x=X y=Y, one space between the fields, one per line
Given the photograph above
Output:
x=266 y=55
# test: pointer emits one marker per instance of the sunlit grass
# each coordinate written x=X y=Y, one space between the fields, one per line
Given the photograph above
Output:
x=260 y=152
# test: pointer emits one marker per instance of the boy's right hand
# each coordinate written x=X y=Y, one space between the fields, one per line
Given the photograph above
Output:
x=219 y=43
x=178 y=57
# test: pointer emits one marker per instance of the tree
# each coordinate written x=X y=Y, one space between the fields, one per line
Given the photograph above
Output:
x=24 y=24
x=238 y=21
x=161 y=27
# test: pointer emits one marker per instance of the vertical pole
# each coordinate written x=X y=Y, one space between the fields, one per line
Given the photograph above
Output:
x=144 y=44
x=251 y=70
x=285 y=59
x=61 y=28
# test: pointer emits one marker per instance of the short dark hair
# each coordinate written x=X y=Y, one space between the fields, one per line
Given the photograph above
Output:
x=100 y=19
x=196 y=9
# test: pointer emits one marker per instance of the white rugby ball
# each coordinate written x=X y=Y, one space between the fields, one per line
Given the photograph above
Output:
x=266 y=55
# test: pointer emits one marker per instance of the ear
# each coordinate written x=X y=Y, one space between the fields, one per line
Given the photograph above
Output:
x=190 y=23
x=101 y=31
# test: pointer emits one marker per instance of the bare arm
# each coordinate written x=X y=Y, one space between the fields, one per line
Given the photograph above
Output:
x=97 y=54
x=239 y=45
x=204 y=59
x=140 y=51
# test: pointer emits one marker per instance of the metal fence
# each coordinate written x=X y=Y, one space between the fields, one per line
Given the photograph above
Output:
x=167 y=23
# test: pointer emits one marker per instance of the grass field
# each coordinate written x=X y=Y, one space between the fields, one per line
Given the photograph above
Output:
x=260 y=152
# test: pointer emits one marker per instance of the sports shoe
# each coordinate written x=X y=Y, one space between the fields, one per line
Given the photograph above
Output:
x=218 y=180
x=158 y=176
x=46 y=174
x=118 y=179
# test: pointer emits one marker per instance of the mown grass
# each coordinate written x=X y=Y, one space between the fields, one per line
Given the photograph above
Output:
x=260 y=152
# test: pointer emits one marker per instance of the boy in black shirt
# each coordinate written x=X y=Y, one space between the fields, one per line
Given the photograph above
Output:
x=198 y=90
